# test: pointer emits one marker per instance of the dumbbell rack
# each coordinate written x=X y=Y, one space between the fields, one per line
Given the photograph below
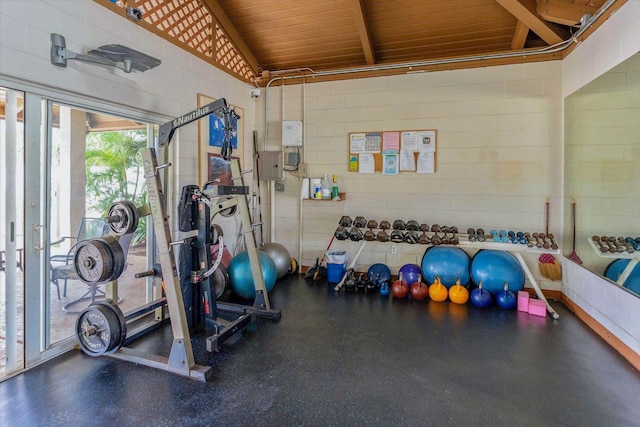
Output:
x=513 y=248
x=633 y=257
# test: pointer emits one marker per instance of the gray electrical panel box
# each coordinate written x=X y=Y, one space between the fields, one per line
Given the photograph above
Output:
x=270 y=165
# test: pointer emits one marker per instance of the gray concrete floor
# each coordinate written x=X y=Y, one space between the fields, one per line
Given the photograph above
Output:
x=351 y=359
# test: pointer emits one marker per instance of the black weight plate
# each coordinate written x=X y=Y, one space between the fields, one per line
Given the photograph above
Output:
x=93 y=261
x=128 y=216
x=221 y=280
x=117 y=257
x=115 y=310
x=100 y=329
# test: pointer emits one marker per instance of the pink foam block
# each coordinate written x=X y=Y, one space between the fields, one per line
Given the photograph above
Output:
x=537 y=308
x=523 y=301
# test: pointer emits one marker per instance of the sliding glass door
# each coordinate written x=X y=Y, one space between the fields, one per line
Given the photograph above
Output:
x=11 y=231
x=61 y=168
x=95 y=159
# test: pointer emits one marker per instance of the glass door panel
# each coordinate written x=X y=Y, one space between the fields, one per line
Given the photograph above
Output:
x=11 y=231
x=94 y=160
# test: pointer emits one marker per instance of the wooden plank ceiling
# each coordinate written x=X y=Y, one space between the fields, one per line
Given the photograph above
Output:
x=275 y=35
x=329 y=34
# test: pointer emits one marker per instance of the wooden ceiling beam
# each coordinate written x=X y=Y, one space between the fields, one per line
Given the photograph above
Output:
x=525 y=12
x=363 y=31
x=232 y=34
x=519 y=36
x=564 y=12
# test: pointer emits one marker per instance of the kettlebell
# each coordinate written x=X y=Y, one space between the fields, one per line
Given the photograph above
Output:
x=419 y=290
x=371 y=284
x=506 y=299
x=458 y=294
x=480 y=298
x=384 y=288
x=438 y=291
x=350 y=281
x=400 y=289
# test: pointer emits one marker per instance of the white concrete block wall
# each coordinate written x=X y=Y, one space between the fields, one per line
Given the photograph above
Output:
x=614 y=42
x=498 y=153
x=166 y=91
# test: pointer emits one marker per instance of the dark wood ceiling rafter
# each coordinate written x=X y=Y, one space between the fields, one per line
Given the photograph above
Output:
x=525 y=12
x=564 y=12
x=519 y=36
x=363 y=31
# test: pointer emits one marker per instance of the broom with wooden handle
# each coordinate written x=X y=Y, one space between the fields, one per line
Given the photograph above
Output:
x=574 y=256
x=549 y=267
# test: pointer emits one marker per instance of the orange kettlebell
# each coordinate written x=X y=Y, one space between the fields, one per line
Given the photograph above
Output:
x=438 y=291
x=458 y=293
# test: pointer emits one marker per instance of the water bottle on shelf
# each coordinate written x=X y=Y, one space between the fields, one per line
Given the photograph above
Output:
x=325 y=189
x=335 y=192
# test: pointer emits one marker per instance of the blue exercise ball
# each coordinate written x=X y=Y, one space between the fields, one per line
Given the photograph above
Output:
x=242 y=278
x=410 y=273
x=379 y=273
x=448 y=263
x=494 y=268
x=615 y=269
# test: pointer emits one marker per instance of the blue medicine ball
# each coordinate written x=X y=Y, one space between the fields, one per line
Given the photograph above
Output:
x=242 y=278
x=493 y=268
x=615 y=269
x=448 y=263
x=379 y=272
x=410 y=273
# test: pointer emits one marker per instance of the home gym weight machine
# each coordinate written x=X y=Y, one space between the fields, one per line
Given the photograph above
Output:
x=102 y=327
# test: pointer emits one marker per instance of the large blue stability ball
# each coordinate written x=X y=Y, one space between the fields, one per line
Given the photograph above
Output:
x=615 y=269
x=493 y=268
x=448 y=263
x=410 y=273
x=242 y=278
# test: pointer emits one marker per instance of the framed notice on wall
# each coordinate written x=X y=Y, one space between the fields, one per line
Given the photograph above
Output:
x=392 y=152
x=210 y=134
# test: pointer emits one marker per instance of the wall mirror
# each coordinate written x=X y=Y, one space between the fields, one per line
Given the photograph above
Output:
x=602 y=175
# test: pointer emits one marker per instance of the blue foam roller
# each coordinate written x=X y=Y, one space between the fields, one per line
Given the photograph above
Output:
x=493 y=268
x=615 y=269
x=448 y=263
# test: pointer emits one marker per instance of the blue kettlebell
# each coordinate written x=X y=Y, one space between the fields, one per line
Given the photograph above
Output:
x=384 y=288
x=480 y=297
x=506 y=299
